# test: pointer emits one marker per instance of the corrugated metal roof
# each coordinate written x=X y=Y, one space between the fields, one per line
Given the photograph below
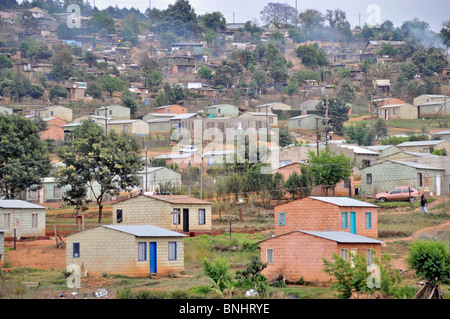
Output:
x=417 y=165
x=179 y=199
x=442 y=133
x=342 y=237
x=16 y=203
x=420 y=143
x=359 y=150
x=144 y=230
x=343 y=201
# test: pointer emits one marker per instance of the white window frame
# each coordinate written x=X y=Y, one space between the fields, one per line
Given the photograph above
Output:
x=34 y=220
x=269 y=255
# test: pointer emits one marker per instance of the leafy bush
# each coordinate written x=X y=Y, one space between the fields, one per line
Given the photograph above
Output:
x=431 y=260
x=217 y=271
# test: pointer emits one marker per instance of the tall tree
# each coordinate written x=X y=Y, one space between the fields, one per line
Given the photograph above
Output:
x=61 y=62
x=179 y=18
x=110 y=160
x=23 y=158
x=329 y=169
x=214 y=21
x=280 y=14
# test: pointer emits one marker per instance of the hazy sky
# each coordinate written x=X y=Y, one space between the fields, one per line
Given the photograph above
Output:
x=432 y=11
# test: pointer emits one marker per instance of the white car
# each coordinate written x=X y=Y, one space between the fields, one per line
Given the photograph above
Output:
x=188 y=149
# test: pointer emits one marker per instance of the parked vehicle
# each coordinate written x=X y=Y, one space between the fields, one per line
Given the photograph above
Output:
x=399 y=193
x=188 y=149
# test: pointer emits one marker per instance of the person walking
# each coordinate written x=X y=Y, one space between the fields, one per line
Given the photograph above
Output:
x=423 y=204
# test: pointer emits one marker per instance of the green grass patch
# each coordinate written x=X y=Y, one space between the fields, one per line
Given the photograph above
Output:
x=404 y=225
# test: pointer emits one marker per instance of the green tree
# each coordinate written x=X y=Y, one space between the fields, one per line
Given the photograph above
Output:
x=227 y=72
x=57 y=91
x=94 y=90
x=62 y=62
x=205 y=72
x=129 y=101
x=357 y=133
x=110 y=160
x=23 y=156
x=429 y=61
x=311 y=56
x=291 y=88
x=347 y=92
x=154 y=79
x=329 y=169
x=179 y=18
x=112 y=84
x=101 y=20
x=300 y=185
x=337 y=111
x=349 y=278
x=251 y=276
x=214 y=21
x=5 y=62
x=218 y=271
x=430 y=260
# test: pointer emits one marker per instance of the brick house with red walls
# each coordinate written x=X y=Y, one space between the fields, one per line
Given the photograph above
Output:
x=171 y=109
x=55 y=130
x=312 y=228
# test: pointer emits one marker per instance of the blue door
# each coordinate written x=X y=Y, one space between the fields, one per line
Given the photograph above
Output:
x=152 y=255
x=353 y=222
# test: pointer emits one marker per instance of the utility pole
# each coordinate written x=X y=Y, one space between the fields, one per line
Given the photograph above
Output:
x=327 y=120
x=106 y=120
x=233 y=17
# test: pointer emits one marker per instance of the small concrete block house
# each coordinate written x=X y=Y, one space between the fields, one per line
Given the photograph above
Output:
x=129 y=250
x=222 y=110
x=117 y=112
x=178 y=213
x=306 y=122
x=312 y=228
x=62 y=112
x=425 y=146
x=272 y=118
x=398 y=111
x=26 y=218
x=385 y=176
x=270 y=107
x=129 y=127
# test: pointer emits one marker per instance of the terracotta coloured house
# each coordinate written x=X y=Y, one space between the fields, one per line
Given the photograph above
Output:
x=55 y=130
x=312 y=228
x=171 y=109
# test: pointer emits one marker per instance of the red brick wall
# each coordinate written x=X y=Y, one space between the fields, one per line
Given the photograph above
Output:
x=297 y=255
x=311 y=214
